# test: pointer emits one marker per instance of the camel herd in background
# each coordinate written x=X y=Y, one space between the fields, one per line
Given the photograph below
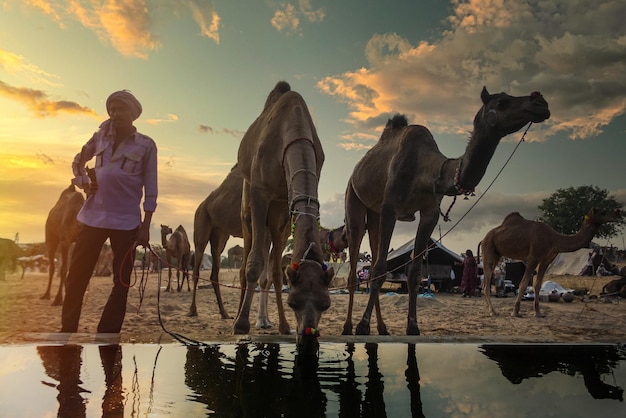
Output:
x=271 y=194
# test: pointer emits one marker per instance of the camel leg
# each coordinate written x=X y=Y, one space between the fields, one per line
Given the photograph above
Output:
x=200 y=241
x=280 y=229
x=379 y=269
x=169 y=273
x=528 y=274
x=263 y=320
x=355 y=228
x=217 y=247
x=537 y=287
x=255 y=260
x=374 y=231
x=58 y=299
x=488 y=269
x=52 y=249
x=426 y=225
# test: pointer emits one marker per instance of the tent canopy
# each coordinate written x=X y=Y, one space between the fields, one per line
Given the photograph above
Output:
x=569 y=263
x=437 y=253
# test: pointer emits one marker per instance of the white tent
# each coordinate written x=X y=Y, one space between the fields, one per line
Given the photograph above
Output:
x=569 y=263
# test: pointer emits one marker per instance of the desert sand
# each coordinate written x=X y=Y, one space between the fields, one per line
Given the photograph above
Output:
x=153 y=314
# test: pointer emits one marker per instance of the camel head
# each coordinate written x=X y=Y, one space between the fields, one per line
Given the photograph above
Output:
x=165 y=230
x=598 y=217
x=503 y=114
x=500 y=115
x=309 y=298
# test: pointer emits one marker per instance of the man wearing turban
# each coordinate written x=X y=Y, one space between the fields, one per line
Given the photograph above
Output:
x=125 y=170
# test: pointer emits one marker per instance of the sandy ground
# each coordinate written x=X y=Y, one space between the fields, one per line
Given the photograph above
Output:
x=25 y=318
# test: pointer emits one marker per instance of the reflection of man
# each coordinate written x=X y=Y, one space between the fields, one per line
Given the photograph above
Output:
x=113 y=400
x=63 y=363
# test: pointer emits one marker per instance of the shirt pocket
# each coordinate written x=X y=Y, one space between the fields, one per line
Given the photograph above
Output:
x=99 y=157
x=131 y=163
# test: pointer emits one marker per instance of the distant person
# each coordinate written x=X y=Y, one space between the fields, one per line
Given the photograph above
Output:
x=602 y=271
x=469 y=281
x=126 y=169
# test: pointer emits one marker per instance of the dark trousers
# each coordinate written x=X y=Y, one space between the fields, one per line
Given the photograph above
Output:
x=84 y=257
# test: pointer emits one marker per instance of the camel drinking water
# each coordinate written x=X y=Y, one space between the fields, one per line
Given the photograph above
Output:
x=281 y=159
x=537 y=244
x=405 y=173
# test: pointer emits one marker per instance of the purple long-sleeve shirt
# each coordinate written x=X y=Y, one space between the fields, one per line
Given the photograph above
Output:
x=122 y=178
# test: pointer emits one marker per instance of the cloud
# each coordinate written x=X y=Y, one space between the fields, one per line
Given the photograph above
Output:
x=206 y=129
x=207 y=18
x=128 y=24
x=40 y=105
x=170 y=118
x=574 y=53
x=13 y=63
x=288 y=17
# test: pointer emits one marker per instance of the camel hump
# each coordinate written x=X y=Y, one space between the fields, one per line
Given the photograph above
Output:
x=398 y=121
x=512 y=215
x=280 y=88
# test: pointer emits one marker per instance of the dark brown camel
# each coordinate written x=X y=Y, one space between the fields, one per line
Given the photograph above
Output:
x=62 y=229
x=281 y=158
x=235 y=255
x=405 y=173
x=177 y=246
x=537 y=244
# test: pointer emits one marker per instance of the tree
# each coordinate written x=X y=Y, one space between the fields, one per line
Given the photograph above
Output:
x=565 y=209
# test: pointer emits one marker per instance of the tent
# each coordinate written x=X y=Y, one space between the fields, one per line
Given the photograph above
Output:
x=569 y=263
x=439 y=264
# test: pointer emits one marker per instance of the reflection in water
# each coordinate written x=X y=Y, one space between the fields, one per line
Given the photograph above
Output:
x=519 y=362
x=349 y=380
x=259 y=382
x=63 y=363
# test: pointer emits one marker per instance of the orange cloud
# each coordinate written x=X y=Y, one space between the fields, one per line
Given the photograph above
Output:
x=38 y=102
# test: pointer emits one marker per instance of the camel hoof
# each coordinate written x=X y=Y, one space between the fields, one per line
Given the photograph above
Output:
x=540 y=315
x=362 y=329
x=263 y=324
x=347 y=329
x=412 y=331
x=192 y=313
x=241 y=326
x=516 y=315
x=383 y=330
x=44 y=297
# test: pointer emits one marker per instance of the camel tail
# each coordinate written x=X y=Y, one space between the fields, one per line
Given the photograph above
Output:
x=478 y=252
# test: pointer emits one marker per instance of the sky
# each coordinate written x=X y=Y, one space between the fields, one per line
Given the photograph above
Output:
x=203 y=69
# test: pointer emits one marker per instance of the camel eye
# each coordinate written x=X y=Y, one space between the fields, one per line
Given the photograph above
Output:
x=503 y=104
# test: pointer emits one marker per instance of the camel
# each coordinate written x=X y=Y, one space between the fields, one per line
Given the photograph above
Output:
x=62 y=229
x=333 y=241
x=281 y=159
x=9 y=253
x=537 y=244
x=217 y=218
x=403 y=173
x=235 y=254
x=177 y=246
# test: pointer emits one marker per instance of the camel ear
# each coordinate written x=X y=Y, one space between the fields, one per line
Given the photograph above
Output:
x=485 y=96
